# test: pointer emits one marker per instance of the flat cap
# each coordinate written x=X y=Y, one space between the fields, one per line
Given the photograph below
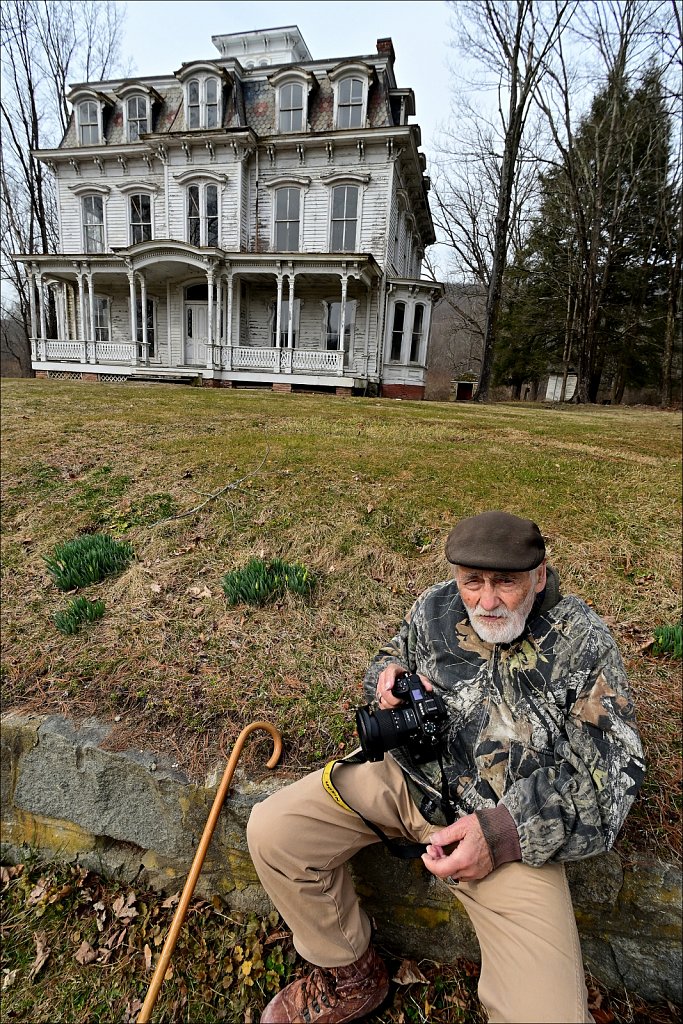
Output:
x=496 y=540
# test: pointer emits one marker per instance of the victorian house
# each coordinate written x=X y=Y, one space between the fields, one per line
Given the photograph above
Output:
x=255 y=219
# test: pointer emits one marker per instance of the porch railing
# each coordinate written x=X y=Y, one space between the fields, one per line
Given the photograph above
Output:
x=271 y=360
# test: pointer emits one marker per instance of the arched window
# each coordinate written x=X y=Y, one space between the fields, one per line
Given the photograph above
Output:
x=344 y=218
x=193 y=104
x=291 y=107
x=93 y=223
x=350 y=103
x=202 y=214
x=211 y=90
x=203 y=103
x=136 y=115
x=397 y=332
x=88 y=123
x=287 y=219
x=417 y=333
x=140 y=218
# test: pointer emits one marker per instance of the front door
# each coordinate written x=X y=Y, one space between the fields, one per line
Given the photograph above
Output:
x=195 y=333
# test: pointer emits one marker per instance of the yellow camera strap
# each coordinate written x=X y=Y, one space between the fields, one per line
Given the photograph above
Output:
x=402 y=848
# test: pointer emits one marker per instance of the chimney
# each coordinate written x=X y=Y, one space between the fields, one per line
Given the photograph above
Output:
x=385 y=47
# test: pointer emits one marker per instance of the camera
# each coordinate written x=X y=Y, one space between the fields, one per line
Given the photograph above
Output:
x=417 y=726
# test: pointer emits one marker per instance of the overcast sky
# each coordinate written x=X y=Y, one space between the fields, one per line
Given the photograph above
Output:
x=160 y=36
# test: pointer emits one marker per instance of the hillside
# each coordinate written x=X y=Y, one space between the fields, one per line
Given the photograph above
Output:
x=361 y=491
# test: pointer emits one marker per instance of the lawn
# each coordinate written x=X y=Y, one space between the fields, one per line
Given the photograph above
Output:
x=361 y=492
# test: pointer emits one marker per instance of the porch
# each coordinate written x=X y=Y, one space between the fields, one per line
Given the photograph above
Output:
x=172 y=310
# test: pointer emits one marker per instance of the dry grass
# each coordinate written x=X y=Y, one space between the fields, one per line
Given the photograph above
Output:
x=80 y=950
x=361 y=491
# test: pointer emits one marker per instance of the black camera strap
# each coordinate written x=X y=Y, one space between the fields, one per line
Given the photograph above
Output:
x=402 y=848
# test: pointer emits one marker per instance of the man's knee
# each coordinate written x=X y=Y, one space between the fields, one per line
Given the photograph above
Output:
x=268 y=828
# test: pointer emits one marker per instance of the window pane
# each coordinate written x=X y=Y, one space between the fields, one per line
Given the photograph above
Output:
x=89 y=127
x=141 y=218
x=193 y=233
x=287 y=205
x=291 y=108
x=344 y=218
x=211 y=90
x=150 y=326
x=101 y=309
x=211 y=201
x=93 y=219
x=397 y=332
x=416 y=337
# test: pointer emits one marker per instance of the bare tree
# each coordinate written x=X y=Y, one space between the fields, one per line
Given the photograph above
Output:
x=509 y=40
x=44 y=45
x=600 y=159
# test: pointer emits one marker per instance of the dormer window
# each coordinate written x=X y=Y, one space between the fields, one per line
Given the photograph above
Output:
x=292 y=87
x=137 y=100
x=351 y=84
x=350 y=103
x=88 y=123
x=136 y=117
x=291 y=108
x=203 y=103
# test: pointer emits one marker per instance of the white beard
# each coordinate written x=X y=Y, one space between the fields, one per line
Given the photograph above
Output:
x=510 y=625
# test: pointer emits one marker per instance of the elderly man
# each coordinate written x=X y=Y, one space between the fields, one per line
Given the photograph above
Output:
x=540 y=760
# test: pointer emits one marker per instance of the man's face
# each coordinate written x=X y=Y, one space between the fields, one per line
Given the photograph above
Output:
x=498 y=603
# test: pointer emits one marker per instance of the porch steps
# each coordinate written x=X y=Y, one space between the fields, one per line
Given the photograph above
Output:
x=163 y=378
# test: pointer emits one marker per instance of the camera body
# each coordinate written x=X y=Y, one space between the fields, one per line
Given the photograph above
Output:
x=417 y=725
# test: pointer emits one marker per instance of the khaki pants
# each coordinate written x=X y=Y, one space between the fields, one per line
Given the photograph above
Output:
x=300 y=839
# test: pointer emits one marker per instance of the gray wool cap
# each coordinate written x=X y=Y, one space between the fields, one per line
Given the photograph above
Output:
x=496 y=540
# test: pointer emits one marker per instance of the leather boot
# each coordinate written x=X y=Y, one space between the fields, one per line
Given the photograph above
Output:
x=331 y=995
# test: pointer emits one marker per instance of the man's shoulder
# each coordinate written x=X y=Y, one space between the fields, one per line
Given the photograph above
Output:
x=437 y=598
x=575 y=616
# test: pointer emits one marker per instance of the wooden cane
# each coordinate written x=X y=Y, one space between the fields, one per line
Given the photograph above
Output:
x=181 y=910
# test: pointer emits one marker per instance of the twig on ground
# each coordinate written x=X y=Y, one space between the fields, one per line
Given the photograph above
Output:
x=212 y=497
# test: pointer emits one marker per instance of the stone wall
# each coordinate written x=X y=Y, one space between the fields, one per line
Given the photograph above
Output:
x=134 y=816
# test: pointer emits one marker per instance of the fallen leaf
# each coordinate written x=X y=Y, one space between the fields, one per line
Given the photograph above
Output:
x=37 y=893
x=171 y=901
x=7 y=873
x=155 y=588
x=409 y=973
x=132 y=1011
x=199 y=592
x=148 y=957
x=42 y=953
x=86 y=954
x=9 y=978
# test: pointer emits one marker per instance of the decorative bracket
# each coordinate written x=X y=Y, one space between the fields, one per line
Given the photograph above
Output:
x=124 y=163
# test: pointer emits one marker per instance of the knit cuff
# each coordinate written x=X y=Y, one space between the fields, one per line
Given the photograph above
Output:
x=500 y=833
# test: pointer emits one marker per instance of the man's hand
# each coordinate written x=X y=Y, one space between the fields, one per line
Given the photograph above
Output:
x=385 y=684
x=469 y=861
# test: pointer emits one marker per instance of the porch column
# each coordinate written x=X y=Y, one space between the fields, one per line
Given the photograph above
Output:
x=290 y=319
x=168 y=324
x=133 y=317
x=228 y=320
x=220 y=322
x=143 y=304
x=65 y=306
x=342 y=322
x=209 y=319
x=81 y=309
x=41 y=313
x=278 y=319
x=91 y=344
x=34 y=319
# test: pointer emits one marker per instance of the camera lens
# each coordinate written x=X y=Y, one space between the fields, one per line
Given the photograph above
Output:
x=384 y=730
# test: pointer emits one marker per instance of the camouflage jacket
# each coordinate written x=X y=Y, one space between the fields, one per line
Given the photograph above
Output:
x=544 y=724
